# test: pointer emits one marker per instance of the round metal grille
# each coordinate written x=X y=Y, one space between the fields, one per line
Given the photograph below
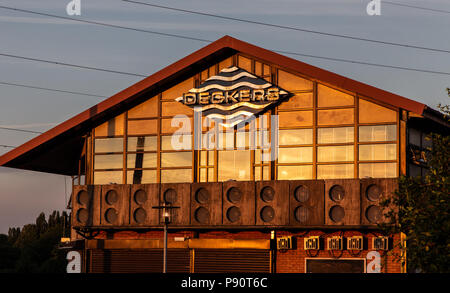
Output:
x=140 y=196
x=234 y=195
x=83 y=197
x=267 y=194
x=233 y=214
x=170 y=196
x=202 y=215
x=111 y=216
x=337 y=213
x=373 y=192
x=82 y=216
x=140 y=215
x=373 y=214
x=202 y=195
x=267 y=214
x=301 y=214
x=301 y=193
x=111 y=197
x=337 y=193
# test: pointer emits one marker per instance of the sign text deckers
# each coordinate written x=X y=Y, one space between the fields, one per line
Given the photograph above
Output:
x=229 y=97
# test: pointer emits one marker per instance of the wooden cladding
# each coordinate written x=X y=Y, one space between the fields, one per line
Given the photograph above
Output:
x=233 y=204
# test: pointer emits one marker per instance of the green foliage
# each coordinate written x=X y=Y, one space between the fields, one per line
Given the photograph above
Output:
x=34 y=249
x=421 y=209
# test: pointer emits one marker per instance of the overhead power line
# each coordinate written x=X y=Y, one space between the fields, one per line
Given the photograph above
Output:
x=21 y=130
x=415 y=7
x=50 y=89
x=289 y=27
x=7 y=146
x=104 y=24
x=70 y=65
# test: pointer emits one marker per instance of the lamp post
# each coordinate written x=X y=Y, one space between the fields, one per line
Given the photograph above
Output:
x=166 y=219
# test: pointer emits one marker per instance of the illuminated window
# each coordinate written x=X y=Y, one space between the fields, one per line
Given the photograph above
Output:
x=141 y=160
x=295 y=136
x=176 y=159
x=176 y=175
x=108 y=161
x=234 y=164
x=295 y=172
x=142 y=143
x=108 y=145
x=335 y=171
x=141 y=176
x=295 y=155
x=378 y=170
x=328 y=97
x=108 y=177
x=377 y=152
x=378 y=133
x=335 y=117
x=335 y=135
x=373 y=113
x=335 y=153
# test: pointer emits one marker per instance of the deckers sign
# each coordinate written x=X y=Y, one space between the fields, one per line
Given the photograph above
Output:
x=232 y=96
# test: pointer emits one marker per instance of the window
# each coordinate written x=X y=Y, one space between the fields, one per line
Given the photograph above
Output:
x=335 y=153
x=335 y=135
x=328 y=97
x=377 y=170
x=234 y=164
x=377 y=152
x=295 y=136
x=378 y=133
x=295 y=172
x=339 y=171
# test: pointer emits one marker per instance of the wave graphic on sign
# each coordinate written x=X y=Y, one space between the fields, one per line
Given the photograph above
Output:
x=233 y=95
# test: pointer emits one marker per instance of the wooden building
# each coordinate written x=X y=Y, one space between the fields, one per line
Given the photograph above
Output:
x=303 y=200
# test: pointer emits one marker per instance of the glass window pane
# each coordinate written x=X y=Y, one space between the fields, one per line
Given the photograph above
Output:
x=177 y=159
x=113 y=127
x=141 y=160
x=176 y=176
x=147 y=109
x=295 y=118
x=203 y=160
x=335 y=171
x=336 y=135
x=141 y=177
x=108 y=161
x=179 y=141
x=266 y=173
x=257 y=173
x=303 y=100
x=414 y=136
x=295 y=172
x=226 y=140
x=328 y=97
x=211 y=158
x=142 y=127
x=378 y=170
x=295 y=136
x=226 y=63
x=178 y=90
x=234 y=165
x=335 y=153
x=377 y=152
x=245 y=63
x=142 y=143
x=108 y=177
x=373 y=113
x=337 y=116
x=108 y=145
x=211 y=177
x=378 y=133
x=203 y=175
x=292 y=82
x=295 y=155
x=242 y=139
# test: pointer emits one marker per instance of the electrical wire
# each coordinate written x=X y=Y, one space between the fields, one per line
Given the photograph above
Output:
x=415 y=7
x=289 y=27
x=203 y=40
x=50 y=89
x=21 y=130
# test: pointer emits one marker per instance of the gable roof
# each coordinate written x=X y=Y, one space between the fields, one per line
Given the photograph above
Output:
x=58 y=149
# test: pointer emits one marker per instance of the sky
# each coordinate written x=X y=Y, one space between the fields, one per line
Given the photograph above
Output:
x=24 y=194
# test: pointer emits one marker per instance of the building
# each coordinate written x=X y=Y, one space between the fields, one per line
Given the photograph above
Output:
x=291 y=181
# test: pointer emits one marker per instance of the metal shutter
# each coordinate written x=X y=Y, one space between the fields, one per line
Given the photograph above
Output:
x=138 y=261
x=231 y=261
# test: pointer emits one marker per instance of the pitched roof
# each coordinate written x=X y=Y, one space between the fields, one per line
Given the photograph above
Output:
x=58 y=149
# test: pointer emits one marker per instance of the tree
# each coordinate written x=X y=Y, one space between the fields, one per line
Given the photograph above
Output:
x=420 y=209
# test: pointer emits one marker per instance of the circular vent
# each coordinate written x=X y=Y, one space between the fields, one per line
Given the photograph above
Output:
x=301 y=214
x=373 y=192
x=301 y=193
x=83 y=197
x=234 y=195
x=337 y=213
x=233 y=214
x=170 y=196
x=267 y=194
x=202 y=195
x=337 y=193
x=202 y=215
x=373 y=214
x=111 y=197
x=140 y=215
x=82 y=216
x=140 y=197
x=111 y=216
x=267 y=214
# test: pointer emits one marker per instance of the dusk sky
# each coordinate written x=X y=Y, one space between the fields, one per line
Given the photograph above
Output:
x=24 y=194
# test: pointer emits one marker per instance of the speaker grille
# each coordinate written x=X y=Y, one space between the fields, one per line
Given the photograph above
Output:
x=337 y=213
